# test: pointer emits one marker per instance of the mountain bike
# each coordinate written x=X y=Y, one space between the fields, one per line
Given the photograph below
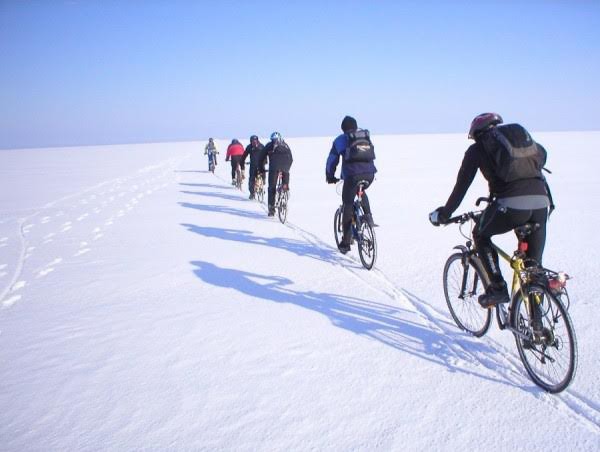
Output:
x=362 y=232
x=282 y=196
x=538 y=294
x=259 y=187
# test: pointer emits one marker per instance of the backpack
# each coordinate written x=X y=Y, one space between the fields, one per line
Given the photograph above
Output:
x=359 y=147
x=513 y=152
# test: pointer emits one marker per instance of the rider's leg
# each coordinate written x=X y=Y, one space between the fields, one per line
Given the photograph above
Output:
x=285 y=180
x=365 y=199
x=537 y=240
x=348 y=192
x=271 y=191
x=495 y=220
x=251 y=177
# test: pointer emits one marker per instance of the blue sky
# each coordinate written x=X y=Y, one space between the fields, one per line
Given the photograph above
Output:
x=102 y=72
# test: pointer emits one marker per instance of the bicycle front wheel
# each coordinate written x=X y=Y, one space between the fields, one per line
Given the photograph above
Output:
x=549 y=356
x=282 y=210
x=367 y=245
x=463 y=284
x=338 y=231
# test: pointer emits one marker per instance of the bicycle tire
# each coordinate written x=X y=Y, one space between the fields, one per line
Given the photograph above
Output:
x=238 y=178
x=282 y=209
x=550 y=361
x=258 y=189
x=367 y=245
x=468 y=315
x=337 y=226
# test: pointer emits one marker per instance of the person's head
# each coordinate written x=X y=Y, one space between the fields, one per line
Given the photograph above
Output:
x=348 y=124
x=254 y=140
x=235 y=141
x=210 y=140
x=276 y=137
x=483 y=122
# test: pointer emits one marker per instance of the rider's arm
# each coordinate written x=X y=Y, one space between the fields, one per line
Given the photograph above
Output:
x=466 y=174
x=332 y=160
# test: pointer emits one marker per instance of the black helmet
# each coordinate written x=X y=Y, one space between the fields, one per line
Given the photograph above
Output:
x=253 y=137
x=210 y=140
x=482 y=122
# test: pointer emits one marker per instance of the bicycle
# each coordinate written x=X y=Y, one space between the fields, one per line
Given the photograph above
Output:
x=212 y=163
x=282 y=195
x=362 y=232
x=259 y=187
x=238 y=177
x=538 y=294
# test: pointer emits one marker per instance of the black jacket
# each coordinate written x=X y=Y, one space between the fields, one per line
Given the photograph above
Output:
x=476 y=158
x=257 y=155
x=280 y=156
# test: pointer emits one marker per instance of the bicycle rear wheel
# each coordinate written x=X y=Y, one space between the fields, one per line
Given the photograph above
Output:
x=463 y=284
x=367 y=245
x=238 y=178
x=259 y=189
x=282 y=209
x=338 y=231
x=550 y=358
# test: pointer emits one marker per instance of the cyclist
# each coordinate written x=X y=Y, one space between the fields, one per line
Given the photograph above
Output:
x=235 y=152
x=352 y=172
x=211 y=150
x=512 y=204
x=280 y=159
x=257 y=155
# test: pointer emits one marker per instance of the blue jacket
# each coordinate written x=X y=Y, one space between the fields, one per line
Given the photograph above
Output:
x=338 y=149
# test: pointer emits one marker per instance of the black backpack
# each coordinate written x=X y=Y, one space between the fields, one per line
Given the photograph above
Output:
x=359 y=147
x=513 y=152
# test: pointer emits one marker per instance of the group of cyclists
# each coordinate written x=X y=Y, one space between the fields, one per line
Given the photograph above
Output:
x=276 y=153
x=523 y=197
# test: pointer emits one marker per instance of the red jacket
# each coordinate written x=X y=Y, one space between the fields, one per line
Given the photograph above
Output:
x=234 y=149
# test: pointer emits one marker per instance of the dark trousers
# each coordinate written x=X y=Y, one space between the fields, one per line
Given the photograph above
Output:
x=273 y=184
x=498 y=220
x=348 y=194
x=235 y=161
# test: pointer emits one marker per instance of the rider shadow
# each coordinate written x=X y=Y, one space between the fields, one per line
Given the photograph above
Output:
x=366 y=318
x=297 y=247
x=216 y=195
x=223 y=209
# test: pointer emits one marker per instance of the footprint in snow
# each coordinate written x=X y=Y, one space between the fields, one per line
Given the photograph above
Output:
x=10 y=301
x=46 y=220
x=66 y=226
x=82 y=217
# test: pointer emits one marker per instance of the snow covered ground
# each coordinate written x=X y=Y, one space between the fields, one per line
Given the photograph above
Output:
x=146 y=304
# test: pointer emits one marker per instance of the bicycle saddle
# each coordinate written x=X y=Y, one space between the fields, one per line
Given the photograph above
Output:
x=364 y=183
x=526 y=230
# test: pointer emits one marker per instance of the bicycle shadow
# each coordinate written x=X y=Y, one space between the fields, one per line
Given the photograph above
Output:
x=476 y=348
x=225 y=210
x=229 y=197
x=297 y=247
x=363 y=317
x=223 y=186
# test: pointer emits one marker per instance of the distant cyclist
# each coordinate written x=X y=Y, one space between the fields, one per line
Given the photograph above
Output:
x=280 y=159
x=256 y=151
x=354 y=169
x=516 y=200
x=235 y=152
x=211 y=151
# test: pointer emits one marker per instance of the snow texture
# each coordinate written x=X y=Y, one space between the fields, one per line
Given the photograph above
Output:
x=145 y=303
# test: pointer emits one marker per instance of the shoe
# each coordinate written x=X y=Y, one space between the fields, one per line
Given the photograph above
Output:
x=343 y=247
x=251 y=196
x=271 y=212
x=243 y=175
x=232 y=181
x=368 y=218
x=494 y=294
x=285 y=187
